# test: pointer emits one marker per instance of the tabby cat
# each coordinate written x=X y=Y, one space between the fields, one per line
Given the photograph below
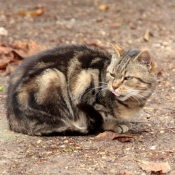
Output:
x=79 y=89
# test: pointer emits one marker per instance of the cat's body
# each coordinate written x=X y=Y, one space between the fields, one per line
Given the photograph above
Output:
x=79 y=89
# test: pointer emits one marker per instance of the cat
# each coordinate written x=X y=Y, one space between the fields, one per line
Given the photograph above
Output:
x=79 y=89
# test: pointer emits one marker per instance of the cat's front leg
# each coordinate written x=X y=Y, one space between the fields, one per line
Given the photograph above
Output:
x=116 y=127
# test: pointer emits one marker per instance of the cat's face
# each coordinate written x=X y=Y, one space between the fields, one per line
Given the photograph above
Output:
x=131 y=75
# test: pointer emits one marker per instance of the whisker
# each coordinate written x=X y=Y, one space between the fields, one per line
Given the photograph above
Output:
x=91 y=89
x=135 y=96
x=103 y=83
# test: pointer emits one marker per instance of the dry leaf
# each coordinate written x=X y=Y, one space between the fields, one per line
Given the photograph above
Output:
x=147 y=35
x=103 y=7
x=108 y=136
x=9 y=70
x=4 y=49
x=115 y=25
x=17 y=56
x=159 y=73
x=11 y=55
x=25 y=49
x=34 y=13
x=4 y=63
x=37 y=12
x=124 y=139
x=162 y=167
x=21 y=12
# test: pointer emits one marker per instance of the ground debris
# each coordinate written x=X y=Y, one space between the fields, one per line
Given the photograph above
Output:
x=3 y=31
x=109 y=136
x=12 y=54
x=33 y=13
x=149 y=166
x=147 y=35
x=103 y=7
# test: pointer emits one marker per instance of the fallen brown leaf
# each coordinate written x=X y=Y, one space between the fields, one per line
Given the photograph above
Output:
x=37 y=12
x=34 y=13
x=108 y=136
x=13 y=54
x=147 y=35
x=124 y=139
x=4 y=49
x=103 y=7
x=9 y=70
x=17 y=56
x=4 y=63
x=149 y=166
x=115 y=25
x=159 y=73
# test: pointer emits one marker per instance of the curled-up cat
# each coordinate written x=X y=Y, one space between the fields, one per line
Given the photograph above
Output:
x=79 y=89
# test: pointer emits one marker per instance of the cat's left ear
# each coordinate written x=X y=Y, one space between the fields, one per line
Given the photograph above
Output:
x=145 y=59
x=119 y=50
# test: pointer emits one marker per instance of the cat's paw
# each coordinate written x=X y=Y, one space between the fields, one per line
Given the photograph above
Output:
x=123 y=128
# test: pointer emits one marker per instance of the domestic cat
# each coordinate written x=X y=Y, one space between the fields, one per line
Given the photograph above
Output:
x=79 y=89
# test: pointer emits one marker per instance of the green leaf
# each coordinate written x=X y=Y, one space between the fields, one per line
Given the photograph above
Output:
x=70 y=149
x=2 y=89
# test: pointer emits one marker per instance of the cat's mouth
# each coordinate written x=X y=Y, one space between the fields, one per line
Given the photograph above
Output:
x=117 y=94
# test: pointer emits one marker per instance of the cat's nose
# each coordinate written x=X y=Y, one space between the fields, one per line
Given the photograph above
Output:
x=114 y=87
x=115 y=84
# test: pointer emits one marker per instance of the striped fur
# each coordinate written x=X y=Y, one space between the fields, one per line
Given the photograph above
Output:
x=79 y=89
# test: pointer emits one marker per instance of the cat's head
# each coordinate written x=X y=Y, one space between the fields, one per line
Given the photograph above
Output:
x=131 y=75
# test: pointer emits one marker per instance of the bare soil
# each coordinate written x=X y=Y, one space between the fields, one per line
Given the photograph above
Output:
x=122 y=22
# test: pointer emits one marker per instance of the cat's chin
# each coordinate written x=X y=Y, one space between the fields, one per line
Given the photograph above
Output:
x=122 y=98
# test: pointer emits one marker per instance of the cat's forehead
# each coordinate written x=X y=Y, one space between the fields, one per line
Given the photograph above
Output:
x=125 y=60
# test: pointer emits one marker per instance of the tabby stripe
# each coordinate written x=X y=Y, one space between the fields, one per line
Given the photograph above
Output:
x=142 y=80
x=123 y=63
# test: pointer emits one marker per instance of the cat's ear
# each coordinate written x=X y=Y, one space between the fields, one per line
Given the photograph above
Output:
x=145 y=59
x=119 y=50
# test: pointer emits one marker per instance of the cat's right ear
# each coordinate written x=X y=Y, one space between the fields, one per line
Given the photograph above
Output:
x=145 y=59
x=119 y=50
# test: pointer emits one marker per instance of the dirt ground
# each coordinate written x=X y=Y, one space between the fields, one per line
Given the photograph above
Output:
x=122 y=22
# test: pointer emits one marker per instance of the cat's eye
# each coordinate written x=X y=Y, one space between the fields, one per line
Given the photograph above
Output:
x=112 y=75
x=128 y=78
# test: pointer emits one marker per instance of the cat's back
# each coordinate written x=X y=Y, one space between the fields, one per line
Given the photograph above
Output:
x=61 y=58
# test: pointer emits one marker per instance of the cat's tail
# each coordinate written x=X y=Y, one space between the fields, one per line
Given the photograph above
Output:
x=95 y=118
